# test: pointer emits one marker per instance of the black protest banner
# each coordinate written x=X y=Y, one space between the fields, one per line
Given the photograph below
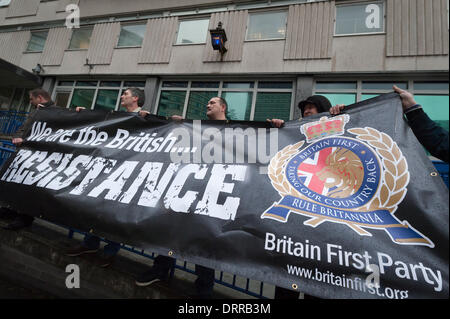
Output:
x=336 y=207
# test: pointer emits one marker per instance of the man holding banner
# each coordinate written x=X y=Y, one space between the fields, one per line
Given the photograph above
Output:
x=39 y=99
x=433 y=137
x=216 y=109
x=132 y=100
x=347 y=206
x=430 y=135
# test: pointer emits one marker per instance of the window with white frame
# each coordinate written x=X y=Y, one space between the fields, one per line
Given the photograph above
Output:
x=433 y=96
x=131 y=35
x=192 y=31
x=92 y=94
x=247 y=100
x=359 y=18
x=266 y=25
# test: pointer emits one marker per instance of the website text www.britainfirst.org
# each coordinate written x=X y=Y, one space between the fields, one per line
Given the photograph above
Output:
x=376 y=264
x=354 y=282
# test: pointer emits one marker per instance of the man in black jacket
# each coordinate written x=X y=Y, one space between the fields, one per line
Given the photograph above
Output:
x=433 y=137
x=216 y=109
x=39 y=99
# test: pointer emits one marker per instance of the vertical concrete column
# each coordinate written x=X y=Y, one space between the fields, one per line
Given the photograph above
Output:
x=304 y=89
x=48 y=84
x=151 y=93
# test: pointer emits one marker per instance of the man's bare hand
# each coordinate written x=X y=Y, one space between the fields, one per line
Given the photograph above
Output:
x=335 y=110
x=177 y=118
x=79 y=108
x=276 y=122
x=17 y=141
x=407 y=98
x=144 y=113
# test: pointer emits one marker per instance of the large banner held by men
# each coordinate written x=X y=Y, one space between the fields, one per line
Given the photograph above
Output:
x=336 y=207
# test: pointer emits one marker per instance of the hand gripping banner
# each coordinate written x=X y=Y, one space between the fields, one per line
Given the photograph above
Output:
x=335 y=207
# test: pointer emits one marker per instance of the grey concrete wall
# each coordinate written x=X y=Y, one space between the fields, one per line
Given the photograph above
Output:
x=159 y=55
x=46 y=11
x=355 y=54
x=53 y=10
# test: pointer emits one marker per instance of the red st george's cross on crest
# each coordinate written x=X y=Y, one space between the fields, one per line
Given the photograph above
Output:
x=310 y=167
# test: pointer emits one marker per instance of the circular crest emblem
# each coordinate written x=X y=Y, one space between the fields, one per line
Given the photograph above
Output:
x=357 y=181
x=338 y=171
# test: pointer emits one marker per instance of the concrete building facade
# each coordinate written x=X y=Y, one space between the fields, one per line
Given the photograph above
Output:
x=278 y=53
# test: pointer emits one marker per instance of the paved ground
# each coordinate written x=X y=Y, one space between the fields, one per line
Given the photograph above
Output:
x=10 y=290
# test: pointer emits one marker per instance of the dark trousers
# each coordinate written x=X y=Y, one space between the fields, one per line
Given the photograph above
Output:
x=27 y=219
x=205 y=280
x=283 y=293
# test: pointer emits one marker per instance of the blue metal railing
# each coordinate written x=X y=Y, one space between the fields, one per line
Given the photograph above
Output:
x=442 y=168
x=7 y=148
x=11 y=120
x=184 y=267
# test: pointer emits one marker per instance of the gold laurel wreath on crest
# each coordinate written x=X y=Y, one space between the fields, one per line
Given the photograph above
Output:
x=393 y=185
x=276 y=169
x=395 y=173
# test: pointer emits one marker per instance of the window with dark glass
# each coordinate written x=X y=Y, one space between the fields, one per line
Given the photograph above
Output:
x=171 y=103
x=98 y=95
x=196 y=108
x=247 y=100
x=62 y=98
x=5 y=97
x=83 y=98
x=272 y=105
x=106 y=100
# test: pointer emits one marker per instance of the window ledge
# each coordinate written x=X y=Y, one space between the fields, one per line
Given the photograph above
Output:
x=129 y=47
x=358 y=34
x=184 y=44
x=261 y=40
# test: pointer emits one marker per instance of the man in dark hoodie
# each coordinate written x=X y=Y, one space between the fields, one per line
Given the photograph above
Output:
x=315 y=104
